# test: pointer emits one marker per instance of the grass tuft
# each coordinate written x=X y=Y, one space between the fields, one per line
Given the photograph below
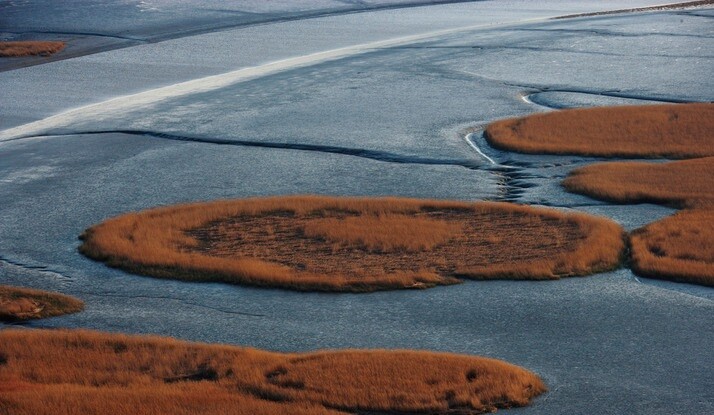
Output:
x=29 y=48
x=18 y=304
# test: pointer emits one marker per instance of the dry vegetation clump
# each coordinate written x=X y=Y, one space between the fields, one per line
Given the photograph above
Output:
x=68 y=372
x=685 y=183
x=18 y=304
x=352 y=244
x=679 y=248
x=29 y=48
x=670 y=131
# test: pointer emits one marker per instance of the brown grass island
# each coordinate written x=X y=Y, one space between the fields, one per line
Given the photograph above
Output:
x=20 y=304
x=354 y=244
x=61 y=372
x=677 y=248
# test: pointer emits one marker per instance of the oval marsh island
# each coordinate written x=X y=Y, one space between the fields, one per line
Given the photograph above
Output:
x=354 y=245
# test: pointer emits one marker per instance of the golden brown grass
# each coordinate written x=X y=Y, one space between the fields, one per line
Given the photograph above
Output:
x=29 y=48
x=685 y=183
x=383 y=233
x=680 y=248
x=671 y=131
x=350 y=244
x=70 y=372
x=17 y=304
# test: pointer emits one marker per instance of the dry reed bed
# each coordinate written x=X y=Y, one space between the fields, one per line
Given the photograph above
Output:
x=670 y=131
x=69 y=372
x=29 y=48
x=685 y=183
x=18 y=304
x=679 y=248
x=353 y=244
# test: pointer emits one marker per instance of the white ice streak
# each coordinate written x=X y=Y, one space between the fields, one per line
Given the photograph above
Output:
x=121 y=104
x=470 y=142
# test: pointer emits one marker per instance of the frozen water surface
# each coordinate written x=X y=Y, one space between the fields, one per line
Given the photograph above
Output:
x=400 y=118
x=44 y=90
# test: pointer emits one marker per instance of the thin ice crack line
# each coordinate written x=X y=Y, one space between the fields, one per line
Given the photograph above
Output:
x=547 y=49
x=573 y=205
x=614 y=94
x=708 y=16
x=211 y=83
x=613 y=34
x=35 y=268
x=607 y=93
x=527 y=98
x=348 y=151
x=181 y=300
x=534 y=89
x=46 y=270
x=95 y=34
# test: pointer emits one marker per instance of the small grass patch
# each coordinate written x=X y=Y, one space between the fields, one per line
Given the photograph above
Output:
x=679 y=248
x=18 y=304
x=62 y=372
x=11 y=49
x=685 y=183
x=353 y=244
x=670 y=131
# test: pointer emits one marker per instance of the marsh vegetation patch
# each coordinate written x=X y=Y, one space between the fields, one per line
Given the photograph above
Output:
x=649 y=131
x=679 y=247
x=684 y=183
x=11 y=49
x=63 y=372
x=19 y=304
x=351 y=244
